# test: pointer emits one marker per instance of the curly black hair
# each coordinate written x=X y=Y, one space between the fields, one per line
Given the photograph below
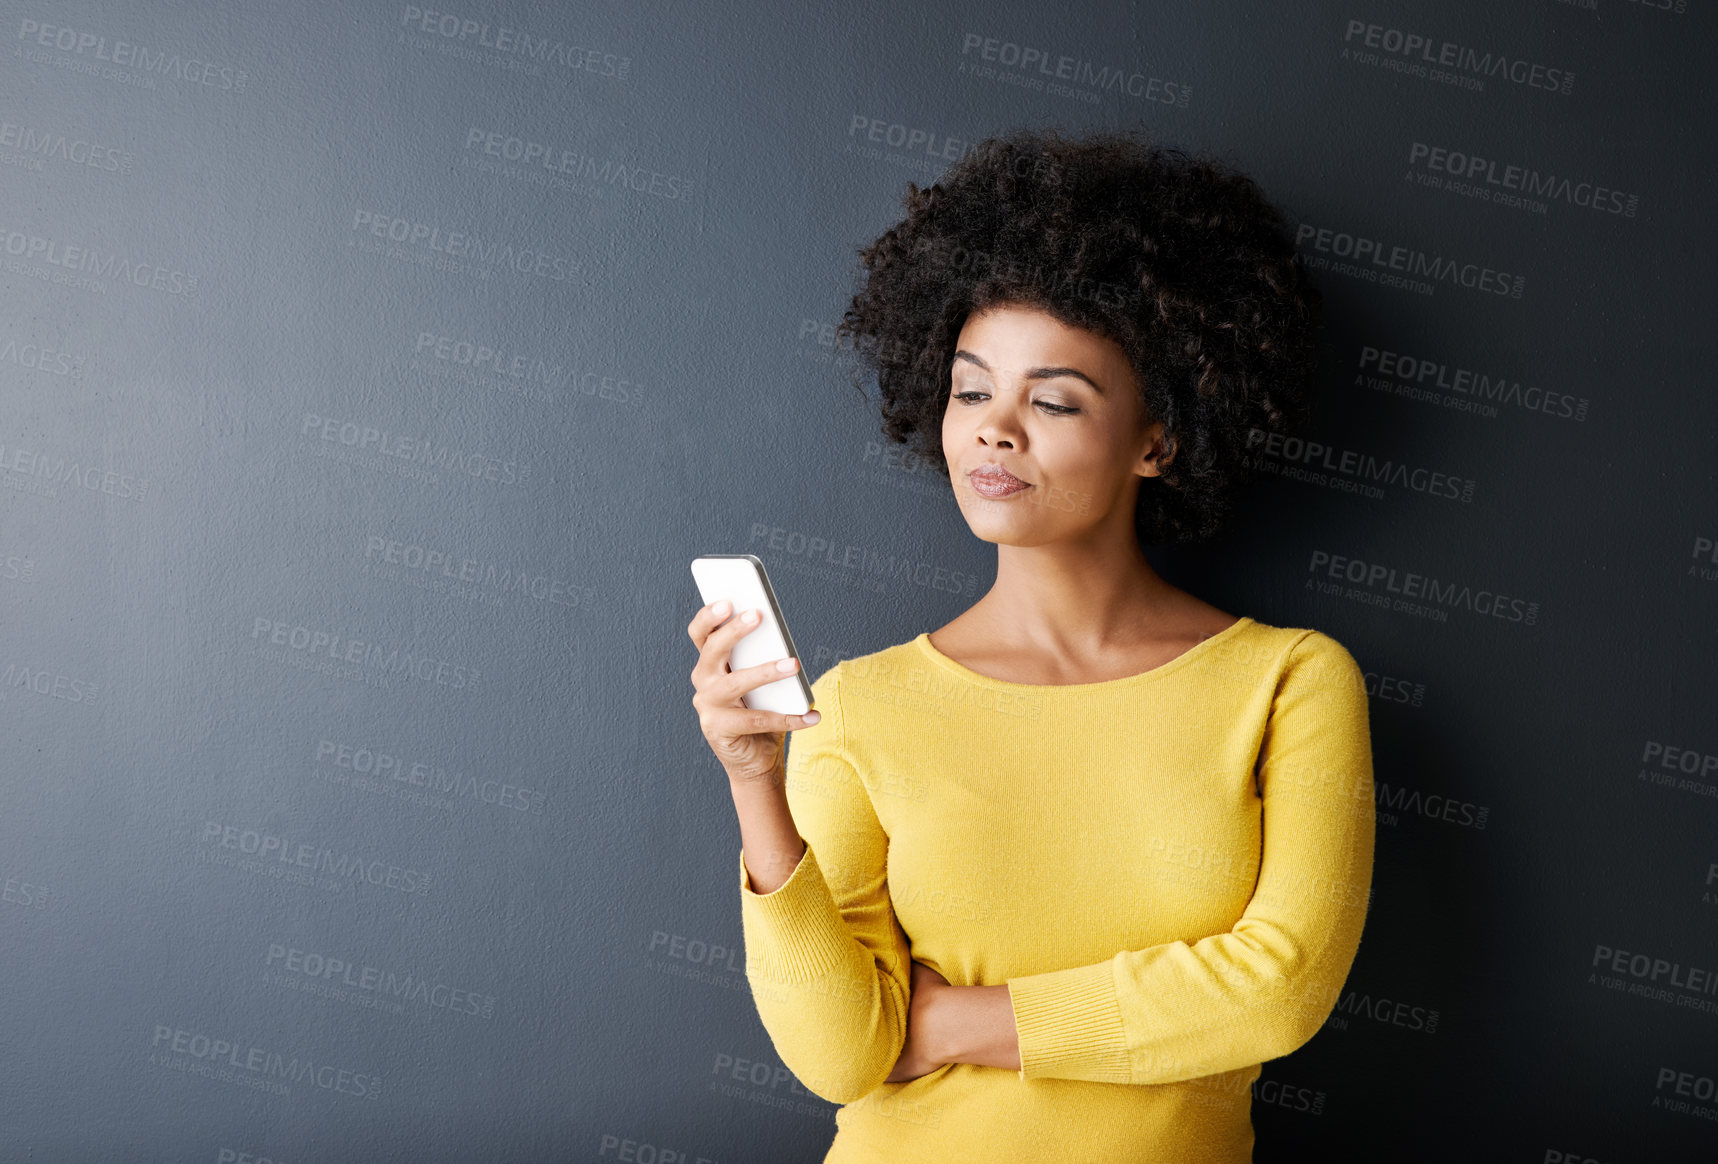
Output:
x=1179 y=259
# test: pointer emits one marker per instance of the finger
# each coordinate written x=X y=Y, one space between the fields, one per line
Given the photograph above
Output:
x=708 y=615
x=747 y=721
x=712 y=652
x=739 y=626
x=720 y=643
x=729 y=689
x=736 y=683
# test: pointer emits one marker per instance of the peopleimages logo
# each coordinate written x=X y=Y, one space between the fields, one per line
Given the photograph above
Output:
x=559 y=162
x=1034 y=67
x=37 y=358
x=457 y=250
x=1679 y=767
x=390 y=661
x=1393 y=799
x=1385 y=585
x=124 y=54
x=1443 y=60
x=1703 y=1088
x=453 y=573
x=507 y=42
x=1705 y=551
x=39 y=472
x=935 y=146
x=414 y=449
x=1384 y=1012
x=352 y=868
x=526 y=370
x=323 y=970
x=38 y=144
x=63 y=260
x=237 y=1055
x=26 y=894
x=383 y=765
x=1400 y=266
x=1364 y=467
x=1512 y=184
x=1418 y=377
x=1656 y=972
x=859 y=562
x=45 y=682
x=1654 y=979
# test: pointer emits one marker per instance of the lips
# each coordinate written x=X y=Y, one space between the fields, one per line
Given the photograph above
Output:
x=995 y=481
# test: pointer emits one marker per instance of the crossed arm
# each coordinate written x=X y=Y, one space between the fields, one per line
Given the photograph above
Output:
x=847 y=1006
x=943 y=1023
x=956 y=1024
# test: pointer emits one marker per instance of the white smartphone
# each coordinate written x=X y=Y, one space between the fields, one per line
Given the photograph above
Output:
x=740 y=578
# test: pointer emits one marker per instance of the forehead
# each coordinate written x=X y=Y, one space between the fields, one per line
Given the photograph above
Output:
x=1014 y=338
x=1019 y=328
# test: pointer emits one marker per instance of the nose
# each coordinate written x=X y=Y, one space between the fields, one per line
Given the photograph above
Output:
x=999 y=427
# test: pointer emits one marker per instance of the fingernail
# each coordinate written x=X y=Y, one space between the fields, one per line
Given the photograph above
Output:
x=721 y=607
x=749 y=616
x=812 y=717
x=784 y=665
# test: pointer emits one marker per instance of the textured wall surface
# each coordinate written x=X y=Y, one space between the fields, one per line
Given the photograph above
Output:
x=369 y=374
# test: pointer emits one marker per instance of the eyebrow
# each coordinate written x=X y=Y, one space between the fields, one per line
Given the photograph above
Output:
x=1035 y=373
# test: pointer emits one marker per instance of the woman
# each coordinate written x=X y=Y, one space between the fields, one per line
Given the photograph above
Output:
x=1050 y=882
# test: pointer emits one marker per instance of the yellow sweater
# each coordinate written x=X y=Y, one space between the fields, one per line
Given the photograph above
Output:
x=1170 y=871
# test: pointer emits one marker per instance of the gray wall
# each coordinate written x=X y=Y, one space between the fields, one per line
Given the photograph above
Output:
x=365 y=391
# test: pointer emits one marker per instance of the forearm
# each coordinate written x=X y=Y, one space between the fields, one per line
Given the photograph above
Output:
x=770 y=843
x=975 y=1024
x=830 y=986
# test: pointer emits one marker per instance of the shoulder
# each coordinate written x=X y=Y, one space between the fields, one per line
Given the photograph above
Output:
x=1297 y=646
x=857 y=672
x=1316 y=672
x=1318 y=654
x=892 y=682
x=1292 y=659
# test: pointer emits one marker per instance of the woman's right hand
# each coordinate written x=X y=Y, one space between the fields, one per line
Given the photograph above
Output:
x=750 y=743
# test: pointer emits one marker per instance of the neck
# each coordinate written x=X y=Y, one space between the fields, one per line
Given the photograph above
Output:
x=1076 y=599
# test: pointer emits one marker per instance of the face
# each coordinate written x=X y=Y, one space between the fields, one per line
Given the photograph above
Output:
x=1059 y=408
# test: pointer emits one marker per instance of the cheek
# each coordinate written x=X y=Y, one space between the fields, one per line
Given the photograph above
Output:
x=951 y=425
x=1085 y=467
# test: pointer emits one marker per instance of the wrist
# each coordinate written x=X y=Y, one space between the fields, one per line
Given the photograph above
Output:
x=939 y=1023
x=975 y=1024
x=769 y=840
x=770 y=784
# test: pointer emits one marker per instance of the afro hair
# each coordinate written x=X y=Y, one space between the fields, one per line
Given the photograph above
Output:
x=1179 y=259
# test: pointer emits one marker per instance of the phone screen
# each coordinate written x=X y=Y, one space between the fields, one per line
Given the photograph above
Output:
x=741 y=579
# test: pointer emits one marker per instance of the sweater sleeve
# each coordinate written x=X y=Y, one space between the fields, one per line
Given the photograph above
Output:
x=829 y=965
x=1184 y=1010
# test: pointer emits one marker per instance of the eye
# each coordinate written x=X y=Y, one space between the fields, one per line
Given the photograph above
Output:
x=970 y=397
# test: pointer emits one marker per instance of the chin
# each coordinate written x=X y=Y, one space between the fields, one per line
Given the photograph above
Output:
x=1005 y=532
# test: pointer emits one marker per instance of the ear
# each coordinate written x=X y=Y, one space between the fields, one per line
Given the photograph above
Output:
x=1158 y=454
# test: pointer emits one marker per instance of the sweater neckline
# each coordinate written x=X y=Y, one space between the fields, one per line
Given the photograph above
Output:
x=923 y=642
